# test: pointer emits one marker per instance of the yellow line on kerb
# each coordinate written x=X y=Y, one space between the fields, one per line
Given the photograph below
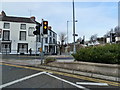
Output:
x=67 y=74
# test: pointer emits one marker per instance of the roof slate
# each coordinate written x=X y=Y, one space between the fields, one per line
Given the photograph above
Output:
x=16 y=19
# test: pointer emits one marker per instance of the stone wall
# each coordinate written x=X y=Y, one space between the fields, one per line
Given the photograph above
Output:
x=96 y=68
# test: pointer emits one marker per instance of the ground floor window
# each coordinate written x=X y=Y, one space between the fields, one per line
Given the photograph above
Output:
x=6 y=48
x=52 y=49
x=22 y=48
x=46 y=49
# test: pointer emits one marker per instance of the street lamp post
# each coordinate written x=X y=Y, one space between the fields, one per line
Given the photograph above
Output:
x=74 y=48
x=67 y=30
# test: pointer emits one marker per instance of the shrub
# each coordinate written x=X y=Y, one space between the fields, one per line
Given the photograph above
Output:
x=100 y=54
x=49 y=60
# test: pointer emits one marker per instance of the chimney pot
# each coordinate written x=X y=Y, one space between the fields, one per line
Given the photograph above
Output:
x=32 y=18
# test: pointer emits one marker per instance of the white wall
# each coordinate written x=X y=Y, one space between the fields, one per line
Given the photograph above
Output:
x=108 y=40
x=15 y=34
x=117 y=38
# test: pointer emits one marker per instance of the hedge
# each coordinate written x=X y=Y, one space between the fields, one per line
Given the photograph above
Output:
x=109 y=54
x=49 y=60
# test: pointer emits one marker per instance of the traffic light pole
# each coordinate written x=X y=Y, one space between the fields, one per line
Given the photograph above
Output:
x=42 y=55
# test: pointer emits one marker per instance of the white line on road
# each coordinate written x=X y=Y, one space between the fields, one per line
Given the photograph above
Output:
x=78 y=86
x=89 y=83
x=19 y=80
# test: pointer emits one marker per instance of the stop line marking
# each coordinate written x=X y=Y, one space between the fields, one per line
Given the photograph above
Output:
x=78 y=86
x=89 y=83
x=19 y=80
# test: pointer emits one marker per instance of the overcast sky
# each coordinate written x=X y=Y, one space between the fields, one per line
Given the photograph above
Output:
x=93 y=17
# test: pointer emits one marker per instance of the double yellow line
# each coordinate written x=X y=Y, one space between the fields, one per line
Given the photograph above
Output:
x=66 y=74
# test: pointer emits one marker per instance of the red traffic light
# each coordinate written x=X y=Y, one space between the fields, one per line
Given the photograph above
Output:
x=45 y=22
x=45 y=27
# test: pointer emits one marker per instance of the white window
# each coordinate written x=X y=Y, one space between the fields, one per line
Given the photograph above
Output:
x=53 y=34
x=54 y=41
x=50 y=33
x=0 y=33
x=6 y=25
x=50 y=41
x=23 y=35
x=46 y=40
x=23 y=26
x=6 y=35
x=30 y=31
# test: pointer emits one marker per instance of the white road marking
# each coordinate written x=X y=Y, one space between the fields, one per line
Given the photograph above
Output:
x=19 y=80
x=78 y=86
x=89 y=83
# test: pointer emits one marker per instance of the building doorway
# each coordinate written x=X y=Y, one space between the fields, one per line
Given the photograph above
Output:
x=22 y=48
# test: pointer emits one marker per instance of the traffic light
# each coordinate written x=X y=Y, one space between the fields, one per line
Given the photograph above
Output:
x=37 y=32
x=38 y=29
x=45 y=27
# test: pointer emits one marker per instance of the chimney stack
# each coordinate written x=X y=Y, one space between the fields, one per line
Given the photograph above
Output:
x=32 y=18
x=2 y=13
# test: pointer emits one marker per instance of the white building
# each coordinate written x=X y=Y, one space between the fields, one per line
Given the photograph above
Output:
x=16 y=36
x=50 y=42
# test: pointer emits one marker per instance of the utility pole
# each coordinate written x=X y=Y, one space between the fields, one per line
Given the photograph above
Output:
x=74 y=48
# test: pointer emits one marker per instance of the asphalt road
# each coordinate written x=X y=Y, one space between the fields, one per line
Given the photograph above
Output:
x=25 y=78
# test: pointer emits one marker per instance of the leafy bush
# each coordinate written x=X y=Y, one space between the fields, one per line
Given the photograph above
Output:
x=100 y=54
x=49 y=60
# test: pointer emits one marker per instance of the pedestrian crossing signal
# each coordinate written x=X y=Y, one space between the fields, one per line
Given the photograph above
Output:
x=45 y=27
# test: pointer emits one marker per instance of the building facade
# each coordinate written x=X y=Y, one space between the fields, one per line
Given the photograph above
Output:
x=16 y=36
x=50 y=42
x=113 y=38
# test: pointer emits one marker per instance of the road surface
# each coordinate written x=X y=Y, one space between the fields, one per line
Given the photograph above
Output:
x=27 y=78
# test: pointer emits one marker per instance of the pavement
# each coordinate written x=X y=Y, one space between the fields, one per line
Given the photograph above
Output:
x=33 y=60
x=59 y=58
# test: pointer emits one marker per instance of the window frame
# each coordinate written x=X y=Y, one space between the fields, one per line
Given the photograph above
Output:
x=8 y=36
x=21 y=27
x=46 y=40
x=21 y=36
x=4 y=26
x=29 y=32
x=0 y=35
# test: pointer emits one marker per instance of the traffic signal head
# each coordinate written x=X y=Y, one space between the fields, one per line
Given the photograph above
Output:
x=37 y=32
x=45 y=27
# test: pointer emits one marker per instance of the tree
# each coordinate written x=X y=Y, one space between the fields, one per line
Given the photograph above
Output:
x=62 y=38
x=93 y=38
